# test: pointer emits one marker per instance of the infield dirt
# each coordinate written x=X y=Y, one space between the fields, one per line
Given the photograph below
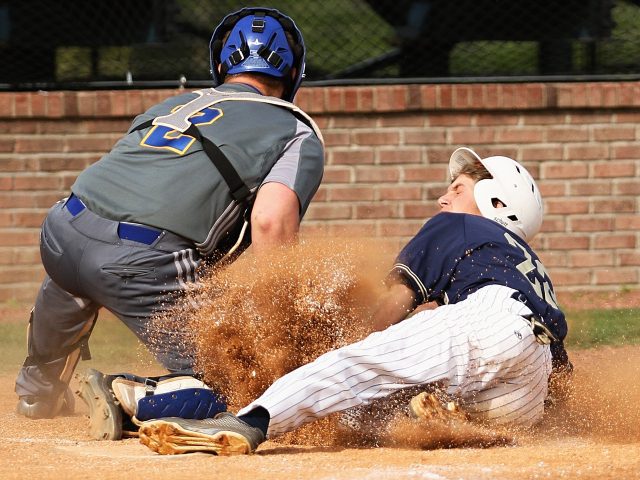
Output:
x=595 y=434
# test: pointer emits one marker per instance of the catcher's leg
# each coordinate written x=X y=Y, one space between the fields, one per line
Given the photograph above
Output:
x=58 y=332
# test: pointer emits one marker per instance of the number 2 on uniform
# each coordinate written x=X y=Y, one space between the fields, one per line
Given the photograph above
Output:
x=164 y=137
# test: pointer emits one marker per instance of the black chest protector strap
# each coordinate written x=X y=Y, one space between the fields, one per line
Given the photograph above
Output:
x=239 y=190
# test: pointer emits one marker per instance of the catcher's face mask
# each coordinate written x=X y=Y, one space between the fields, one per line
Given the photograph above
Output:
x=257 y=43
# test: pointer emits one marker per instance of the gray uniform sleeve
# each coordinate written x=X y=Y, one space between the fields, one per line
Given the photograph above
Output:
x=301 y=165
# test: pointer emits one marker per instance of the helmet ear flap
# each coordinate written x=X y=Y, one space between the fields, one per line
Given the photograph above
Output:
x=216 y=48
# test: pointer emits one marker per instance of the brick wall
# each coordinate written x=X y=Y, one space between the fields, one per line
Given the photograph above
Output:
x=387 y=151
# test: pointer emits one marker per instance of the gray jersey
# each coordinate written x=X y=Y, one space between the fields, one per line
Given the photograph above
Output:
x=162 y=178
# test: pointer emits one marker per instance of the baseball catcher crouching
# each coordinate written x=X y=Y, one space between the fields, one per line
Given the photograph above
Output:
x=119 y=403
x=195 y=180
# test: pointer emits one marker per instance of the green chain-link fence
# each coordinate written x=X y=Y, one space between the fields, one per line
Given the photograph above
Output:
x=89 y=43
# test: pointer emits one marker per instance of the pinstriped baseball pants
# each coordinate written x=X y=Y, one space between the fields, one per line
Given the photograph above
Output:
x=481 y=349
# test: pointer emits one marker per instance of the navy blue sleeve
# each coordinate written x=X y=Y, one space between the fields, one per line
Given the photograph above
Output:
x=427 y=262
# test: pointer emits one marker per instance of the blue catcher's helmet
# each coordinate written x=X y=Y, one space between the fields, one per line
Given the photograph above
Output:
x=257 y=44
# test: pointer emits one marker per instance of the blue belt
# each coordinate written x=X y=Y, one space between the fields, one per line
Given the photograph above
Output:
x=126 y=231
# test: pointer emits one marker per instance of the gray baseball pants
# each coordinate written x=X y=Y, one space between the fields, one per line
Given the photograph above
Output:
x=91 y=262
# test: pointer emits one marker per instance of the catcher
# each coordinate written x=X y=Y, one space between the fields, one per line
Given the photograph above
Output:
x=491 y=344
x=197 y=178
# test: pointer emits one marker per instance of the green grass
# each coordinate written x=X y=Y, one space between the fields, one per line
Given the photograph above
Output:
x=113 y=347
x=590 y=328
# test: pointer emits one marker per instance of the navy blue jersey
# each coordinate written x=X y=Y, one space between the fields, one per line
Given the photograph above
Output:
x=455 y=254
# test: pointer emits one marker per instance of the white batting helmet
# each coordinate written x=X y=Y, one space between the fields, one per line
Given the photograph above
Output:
x=511 y=184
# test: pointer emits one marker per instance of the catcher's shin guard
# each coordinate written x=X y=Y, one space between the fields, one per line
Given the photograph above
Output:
x=105 y=413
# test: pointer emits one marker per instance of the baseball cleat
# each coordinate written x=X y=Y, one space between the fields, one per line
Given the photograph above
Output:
x=105 y=413
x=225 y=434
x=36 y=408
x=435 y=406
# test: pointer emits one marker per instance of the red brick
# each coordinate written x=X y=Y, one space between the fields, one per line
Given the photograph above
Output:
x=553 y=188
x=627 y=222
x=627 y=187
x=55 y=105
x=66 y=162
x=520 y=135
x=617 y=276
x=7 y=145
x=22 y=104
x=38 y=104
x=351 y=157
x=587 y=152
x=554 y=170
x=351 y=193
x=614 y=206
x=19 y=237
x=551 y=224
x=614 y=240
x=472 y=136
x=110 y=125
x=376 y=211
x=335 y=174
x=7 y=104
x=567 y=134
x=425 y=136
x=36 y=182
x=546 y=118
x=391 y=98
x=444 y=96
x=402 y=120
x=422 y=210
x=607 y=134
x=335 y=99
x=590 y=259
x=31 y=218
x=400 y=156
x=425 y=174
x=336 y=138
x=365 y=99
x=589 y=118
x=319 y=211
x=553 y=259
x=100 y=144
x=377 y=174
x=566 y=206
x=623 y=116
x=378 y=137
x=533 y=153
x=614 y=169
x=448 y=119
x=400 y=192
x=18 y=273
x=321 y=194
x=489 y=119
x=629 y=258
x=625 y=152
x=572 y=276
x=38 y=144
x=350 y=100
x=348 y=121
x=591 y=224
x=590 y=187
x=567 y=242
x=428 y=96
